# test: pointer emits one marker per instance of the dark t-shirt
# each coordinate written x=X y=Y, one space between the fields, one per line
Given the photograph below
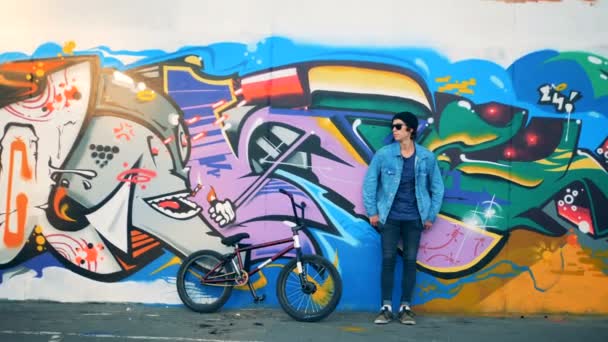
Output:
x=404 y=205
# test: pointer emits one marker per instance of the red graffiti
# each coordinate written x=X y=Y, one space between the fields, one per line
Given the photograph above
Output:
x=199 y=136
x=169 y=204
x=80 y=252
x=193 y=120
x=89 y=254
x=69 y=94
x=453 y=238
x=125 y=131
x=136 y=176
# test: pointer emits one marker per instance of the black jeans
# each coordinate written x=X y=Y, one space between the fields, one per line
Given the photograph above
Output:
x=390 y=232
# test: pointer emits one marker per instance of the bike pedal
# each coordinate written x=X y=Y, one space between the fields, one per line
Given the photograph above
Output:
x=259 y=299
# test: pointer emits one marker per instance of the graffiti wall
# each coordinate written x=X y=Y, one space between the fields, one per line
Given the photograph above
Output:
x=111 y=172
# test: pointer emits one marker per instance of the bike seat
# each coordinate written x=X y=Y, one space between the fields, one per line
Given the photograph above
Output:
x=234 y=239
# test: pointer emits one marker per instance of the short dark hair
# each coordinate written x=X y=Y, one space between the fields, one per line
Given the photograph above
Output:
x=410 y=120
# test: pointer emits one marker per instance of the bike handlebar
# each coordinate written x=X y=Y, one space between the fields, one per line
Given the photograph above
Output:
x=302 y=205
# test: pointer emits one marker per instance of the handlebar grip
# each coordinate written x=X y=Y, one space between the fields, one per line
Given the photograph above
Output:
x=285 y=192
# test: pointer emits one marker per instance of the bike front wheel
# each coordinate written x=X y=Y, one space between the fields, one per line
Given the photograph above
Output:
x=317 y=297
x=194 y=294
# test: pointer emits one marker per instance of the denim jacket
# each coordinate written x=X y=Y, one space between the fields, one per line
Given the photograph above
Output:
x=384 y=174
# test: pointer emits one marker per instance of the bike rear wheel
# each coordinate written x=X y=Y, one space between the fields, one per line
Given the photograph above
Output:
x=195 y=295
x=319 y=299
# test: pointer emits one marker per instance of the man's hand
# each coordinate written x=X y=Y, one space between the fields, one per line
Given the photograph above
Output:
x=222 y=212
x=373 y=220
x=428 y=225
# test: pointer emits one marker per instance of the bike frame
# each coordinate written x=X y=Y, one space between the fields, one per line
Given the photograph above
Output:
x=294 y=244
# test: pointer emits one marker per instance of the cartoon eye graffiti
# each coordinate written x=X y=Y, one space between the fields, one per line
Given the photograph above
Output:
x=153 y=146
x=527 y=145
x=495 y=114
x=183 y=143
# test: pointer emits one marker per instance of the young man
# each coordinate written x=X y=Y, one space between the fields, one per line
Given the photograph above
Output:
x=402 y=194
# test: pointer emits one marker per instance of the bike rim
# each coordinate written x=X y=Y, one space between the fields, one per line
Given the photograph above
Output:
x=310 y=304
x=197 y=292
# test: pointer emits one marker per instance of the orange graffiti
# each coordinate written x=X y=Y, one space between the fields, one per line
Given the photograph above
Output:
x=14 y=238
x=211 y=196
x=61 y=211
x=21 y=75
x=89 y=254
x=28 y=87
x=70 y=94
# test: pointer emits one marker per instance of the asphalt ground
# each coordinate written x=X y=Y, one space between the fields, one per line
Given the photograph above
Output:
x=57 y=322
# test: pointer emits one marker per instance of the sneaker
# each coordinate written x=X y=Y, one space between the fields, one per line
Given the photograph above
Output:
x=406 y=316
x=384 y=317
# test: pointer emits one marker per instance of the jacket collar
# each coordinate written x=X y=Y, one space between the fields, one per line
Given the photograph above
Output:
x=396 y=150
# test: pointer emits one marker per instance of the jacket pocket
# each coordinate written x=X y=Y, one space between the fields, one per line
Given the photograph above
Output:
x=388 y=172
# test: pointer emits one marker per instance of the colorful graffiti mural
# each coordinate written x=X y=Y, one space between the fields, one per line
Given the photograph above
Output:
x=113 y=172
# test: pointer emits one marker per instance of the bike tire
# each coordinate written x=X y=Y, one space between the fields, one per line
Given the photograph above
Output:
x=188 y=284
x=328 y=293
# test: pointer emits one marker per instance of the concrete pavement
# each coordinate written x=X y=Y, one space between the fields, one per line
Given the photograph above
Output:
x=86 y=322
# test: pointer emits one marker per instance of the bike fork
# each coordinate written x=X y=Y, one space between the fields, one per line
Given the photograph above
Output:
x=300 y=268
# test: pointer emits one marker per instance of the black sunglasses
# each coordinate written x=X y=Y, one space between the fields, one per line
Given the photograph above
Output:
x=397 y=126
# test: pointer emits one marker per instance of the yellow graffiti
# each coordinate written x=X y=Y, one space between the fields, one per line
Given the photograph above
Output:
x=545 y=162
x=566 y=155
x=39 y=238
x=444 y=158
x=323 y=294
x=336 y=260
x=586 y=164
x=463 y=138
x=461 y=87
x=352 y=329
x=366 y=81
x=561 y=87
x=327 y=125
x=324 y=291
x=193 y=60
x=258 y=284
x=579 y=164
x=427 y=288
x=64 y=209
x=174 y=261
x=444 y=79
x=68 y=47
x=505 y=174
x=146 y=95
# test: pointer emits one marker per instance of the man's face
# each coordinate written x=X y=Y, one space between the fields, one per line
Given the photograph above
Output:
x=400 y=131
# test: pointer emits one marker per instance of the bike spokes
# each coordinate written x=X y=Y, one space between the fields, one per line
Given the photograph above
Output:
x=198 y=295
x=312 y=295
